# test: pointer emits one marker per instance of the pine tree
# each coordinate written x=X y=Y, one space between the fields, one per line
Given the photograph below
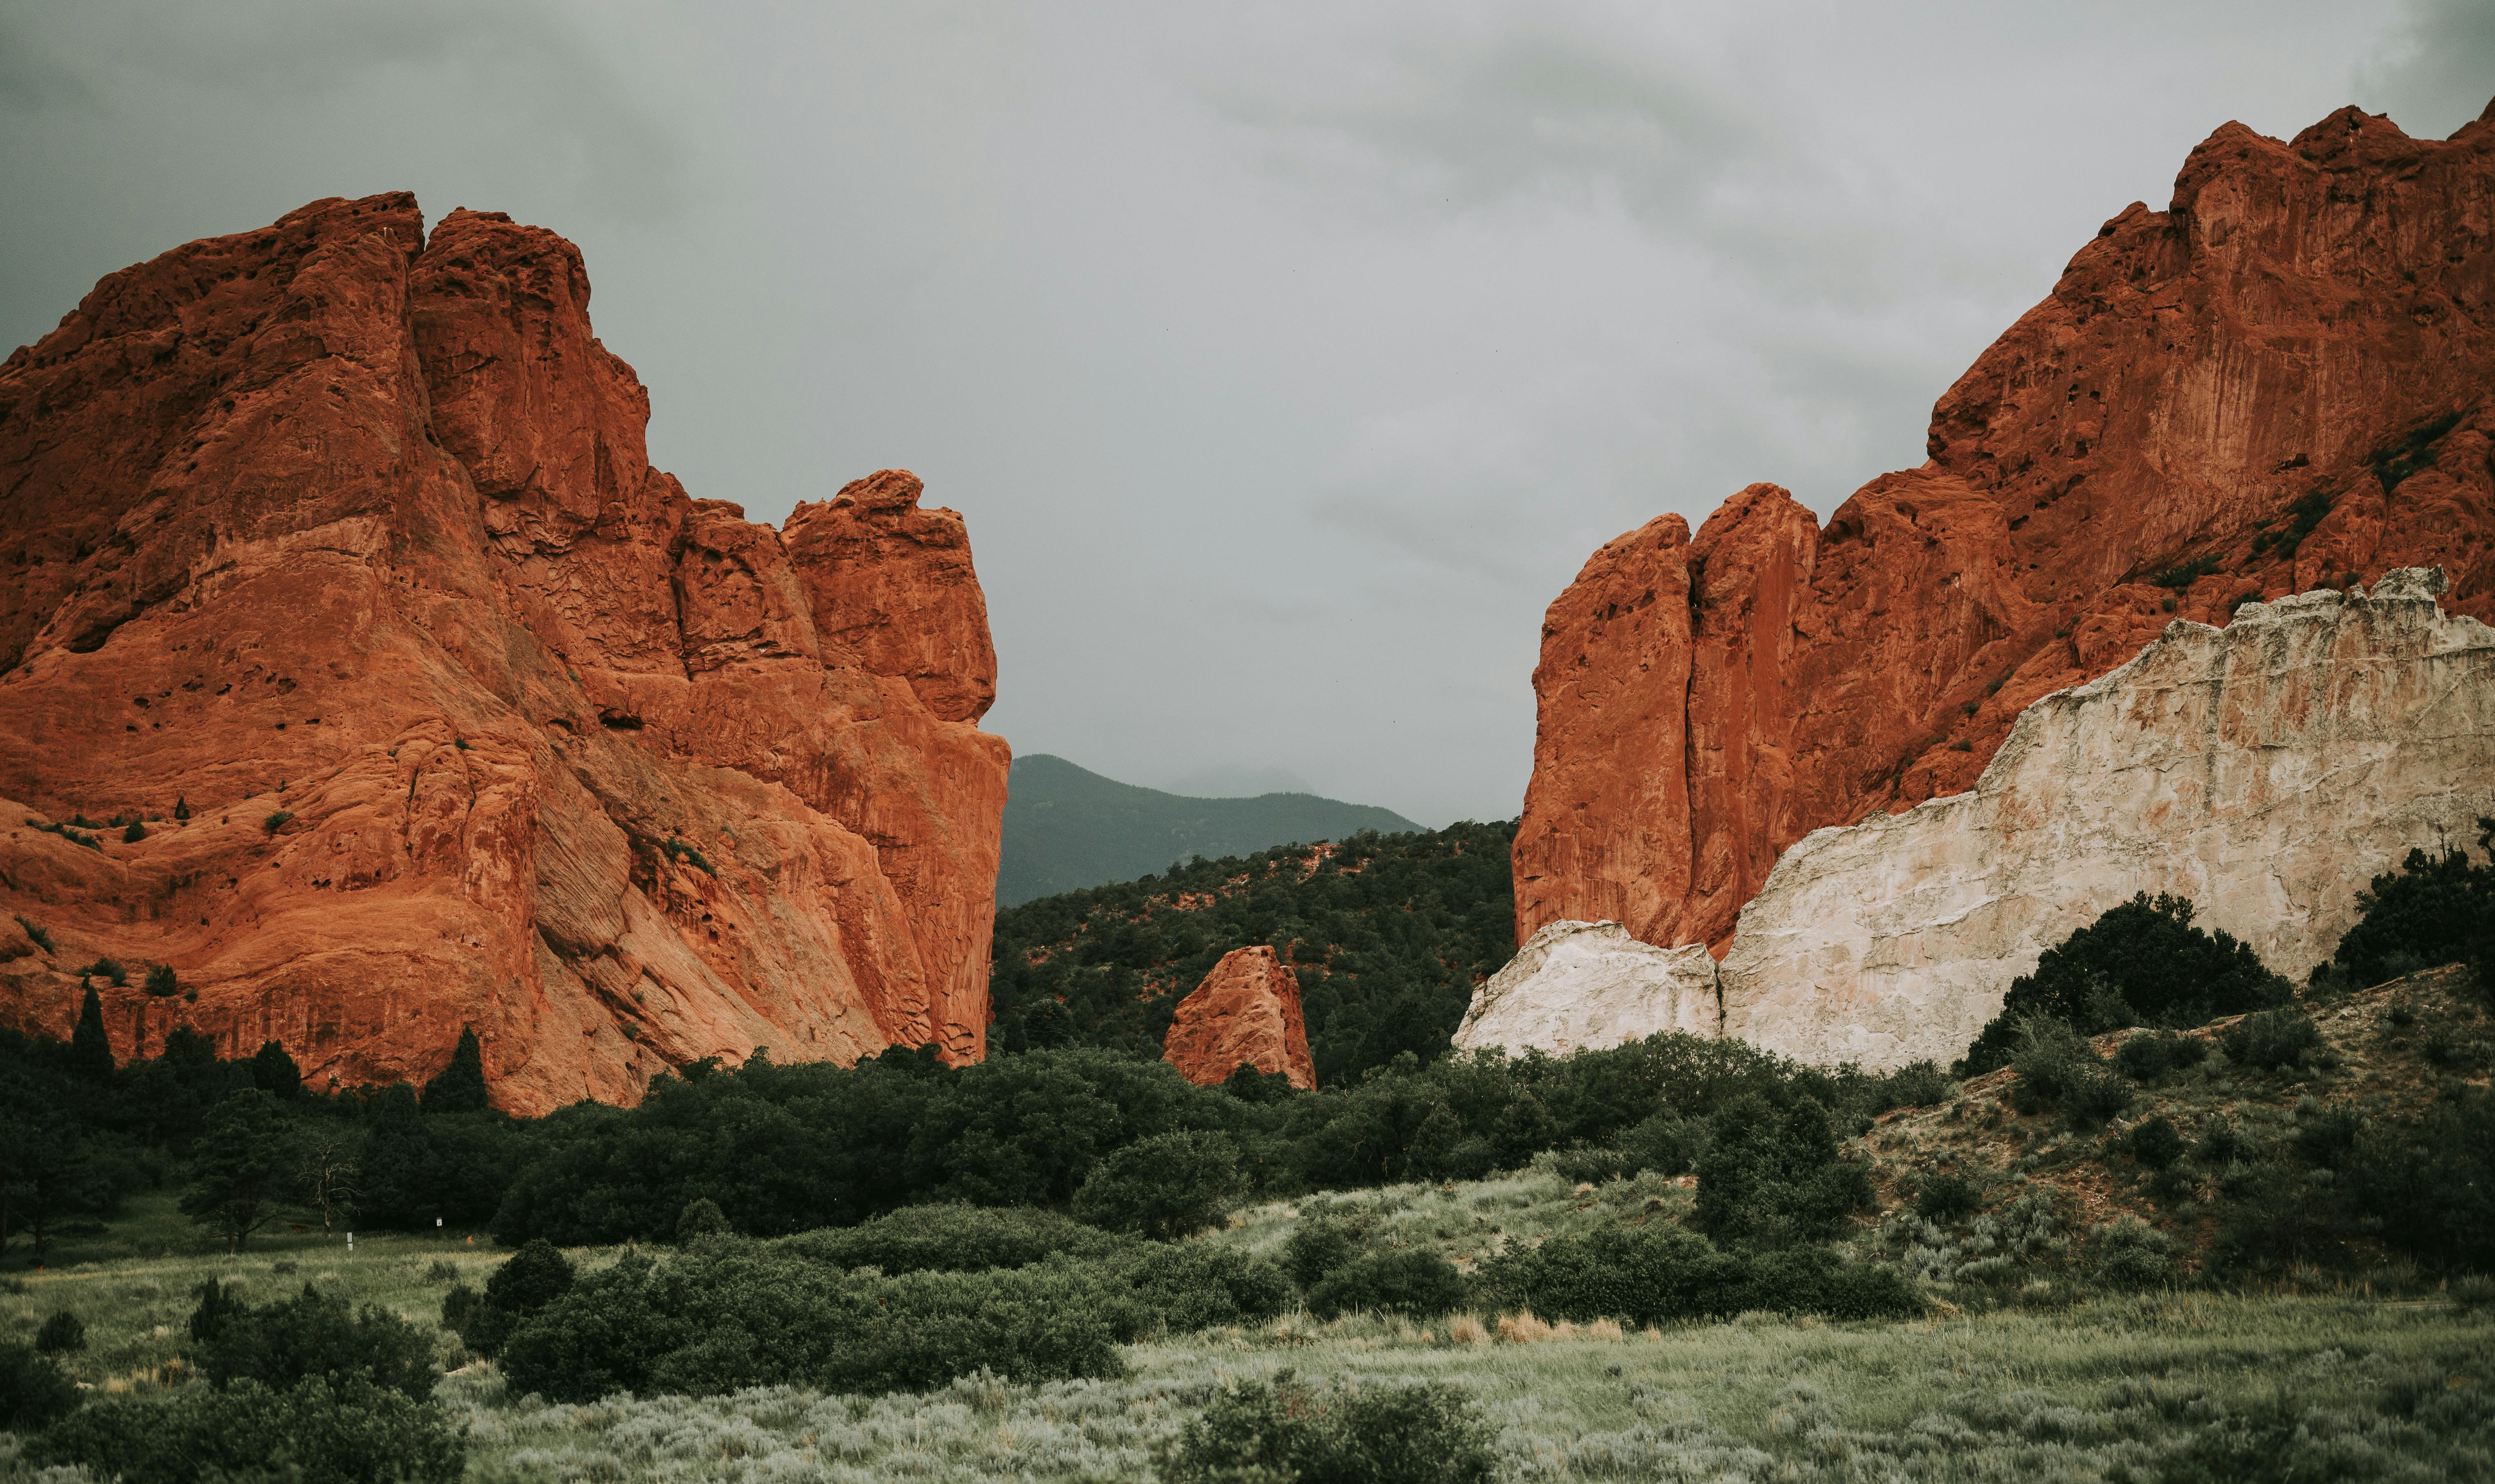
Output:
x=90 y=1048
x=273 y=1071
x=239 y=1167
x=461 y=1086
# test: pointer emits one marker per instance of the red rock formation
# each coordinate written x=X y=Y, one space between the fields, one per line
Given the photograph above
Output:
x=2278 y=381
x=348 y=538
x=1247 y=1010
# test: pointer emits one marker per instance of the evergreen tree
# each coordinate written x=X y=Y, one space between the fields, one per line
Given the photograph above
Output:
x=461 y=1086
x=239 y=1167
x=273 y=1071
x=90 y=1048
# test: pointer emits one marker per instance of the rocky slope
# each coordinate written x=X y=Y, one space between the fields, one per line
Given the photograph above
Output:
x=343 y=541
x=2278 y=382
x=2267 y=771
x=1246 y=1012
x=1589 y=985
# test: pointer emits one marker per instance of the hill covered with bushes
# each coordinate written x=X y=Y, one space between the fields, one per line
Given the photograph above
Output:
x=1067 y=828
x=1387 y=932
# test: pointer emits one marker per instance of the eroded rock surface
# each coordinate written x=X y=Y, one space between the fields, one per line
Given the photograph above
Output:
x=2276 y=383
x=2267 y=770
x=1245 y=1012
x=347 y=539
x=1578 y=985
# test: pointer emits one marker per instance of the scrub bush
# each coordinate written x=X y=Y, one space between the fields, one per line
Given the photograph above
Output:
x=347 y=1431
x=1416 y=1433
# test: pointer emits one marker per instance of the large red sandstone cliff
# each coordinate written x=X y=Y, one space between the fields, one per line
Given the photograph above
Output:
x=347 y=539
x=2308 y=330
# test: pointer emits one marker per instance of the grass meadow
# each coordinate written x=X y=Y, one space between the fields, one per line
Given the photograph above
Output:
x=2105 y=1387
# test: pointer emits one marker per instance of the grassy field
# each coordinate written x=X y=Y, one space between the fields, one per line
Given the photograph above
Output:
x=2388 y=1390
x=2024 y=1370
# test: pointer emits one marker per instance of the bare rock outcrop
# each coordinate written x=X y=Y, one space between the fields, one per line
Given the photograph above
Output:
x=2276 y=383
x=1246 y=1012
x=345 y=539
x=2267 y=771
x=1578 y=985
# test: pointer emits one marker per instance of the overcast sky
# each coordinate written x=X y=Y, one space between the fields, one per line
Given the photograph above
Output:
x=1287 y=360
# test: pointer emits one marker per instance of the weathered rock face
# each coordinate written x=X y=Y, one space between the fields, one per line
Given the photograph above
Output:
x=348 y=538
x=1247 y=1010
x=1577 y=985
x=2267 y=771
x=2274 y=384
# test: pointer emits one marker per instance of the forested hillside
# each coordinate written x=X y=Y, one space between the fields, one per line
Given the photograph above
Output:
x=1067 y=828
x=1388 y=934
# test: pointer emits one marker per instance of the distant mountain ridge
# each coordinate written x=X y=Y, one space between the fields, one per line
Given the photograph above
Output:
x=1067 y=828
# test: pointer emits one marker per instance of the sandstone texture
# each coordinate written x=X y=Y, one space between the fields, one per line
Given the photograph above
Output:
x=2277 y=384
x=2267 y=771
x=345 y=538
x=1245 y=1012
x=1577 y=985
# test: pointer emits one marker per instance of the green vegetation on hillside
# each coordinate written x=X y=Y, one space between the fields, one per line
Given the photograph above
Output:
x=1066 y=827
x=1388 y=933
x=1531 y=1249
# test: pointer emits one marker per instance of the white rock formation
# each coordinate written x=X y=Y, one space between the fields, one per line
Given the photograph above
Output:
x=1579 y=984
x=2267 y=770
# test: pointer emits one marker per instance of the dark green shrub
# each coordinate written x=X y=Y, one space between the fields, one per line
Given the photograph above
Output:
x=2156 y=1143
x=162 y=982
x=2435 y=910
x=1640 y=1275
x=135 y=833
x=1658 y=1273
x=2148 y=1057
x=1812 y=1279
x=33 y=1391
x=36 y=934
x=1318 y=1247
x=311 y=1335
x=319 y=1431
x=277 y=822
x=1915 y=1085
x=1417 y=1434
x=109 y=970
x=953 y=1238
x=2328 y=1138
x=1948 y=1197
x=737 y=1314
x=1413 y=1281
x=1773 y=1178
x=701 y=1218
x=61 y=1334
x=181 y=807
x=2058 y=1069
x=2220 y=1143
x=2274 y=1040
x=2143 y=963
x=1167 y=1187
x=2429 y=1182
x=535 y=1275
x=1664 y=1144
x=1179 y=1289
x=2130 y=1253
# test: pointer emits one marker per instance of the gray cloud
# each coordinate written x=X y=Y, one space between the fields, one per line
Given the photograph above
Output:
x=2438 y=72
x=1286 y=360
